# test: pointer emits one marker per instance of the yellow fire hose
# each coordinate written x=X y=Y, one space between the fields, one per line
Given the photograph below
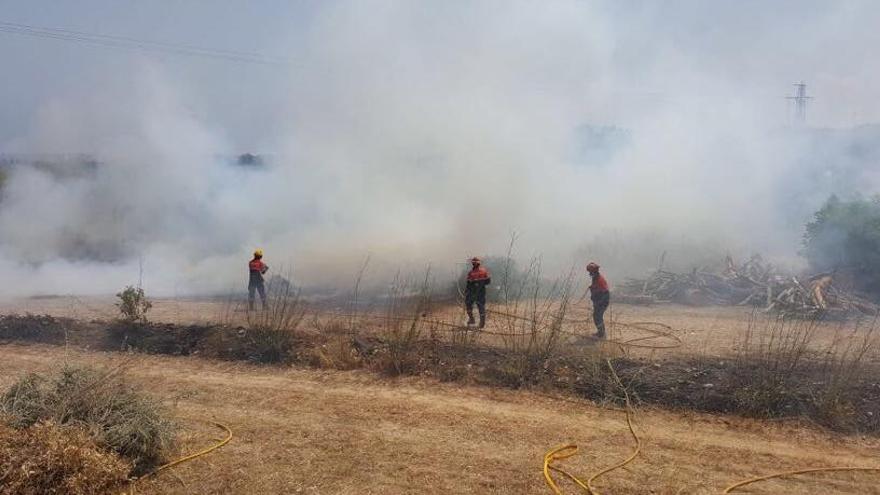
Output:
x=202 y=452
x=190 y=457
x=567 y=451
x=786 y=474
x=557 y=454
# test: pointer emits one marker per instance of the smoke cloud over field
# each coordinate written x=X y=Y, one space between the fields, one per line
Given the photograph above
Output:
x=426 y=133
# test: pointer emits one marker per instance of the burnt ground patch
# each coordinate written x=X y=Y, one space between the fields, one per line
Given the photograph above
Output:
x=157 y=338
x=35 y=328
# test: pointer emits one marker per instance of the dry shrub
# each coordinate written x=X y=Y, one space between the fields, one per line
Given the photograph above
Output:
x=269 y=335
x=285 y=311
x=340 y=351
x=782 y=371
x=403 y=325
x=532 y=323
x=117 y=415
x=255 y=344
x=267 y=345
x=48 y=459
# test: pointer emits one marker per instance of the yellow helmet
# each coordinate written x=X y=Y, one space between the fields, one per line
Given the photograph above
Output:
x=258 y=253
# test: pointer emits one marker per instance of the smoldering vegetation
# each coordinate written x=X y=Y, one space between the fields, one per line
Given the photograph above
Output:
x=425 y=137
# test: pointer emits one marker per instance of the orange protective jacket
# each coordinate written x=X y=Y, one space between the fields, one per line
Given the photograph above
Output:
x=477 y=280
x=257 y=268
x=599 y=293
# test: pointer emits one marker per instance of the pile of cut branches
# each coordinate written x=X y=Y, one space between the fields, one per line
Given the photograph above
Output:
x=754 y=283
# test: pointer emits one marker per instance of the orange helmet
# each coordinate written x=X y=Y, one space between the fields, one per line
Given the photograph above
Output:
x=592 y=267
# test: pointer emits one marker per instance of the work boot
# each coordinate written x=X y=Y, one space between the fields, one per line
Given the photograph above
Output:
x=482 y=321
x=470 y=321
x=600 y=333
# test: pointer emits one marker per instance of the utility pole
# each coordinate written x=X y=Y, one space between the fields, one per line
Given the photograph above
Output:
x=800 y=103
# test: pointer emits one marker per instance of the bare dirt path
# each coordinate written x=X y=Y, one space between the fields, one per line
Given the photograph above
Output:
x=314 y=432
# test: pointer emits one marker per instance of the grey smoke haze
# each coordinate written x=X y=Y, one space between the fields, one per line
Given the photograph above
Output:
x=421 y=133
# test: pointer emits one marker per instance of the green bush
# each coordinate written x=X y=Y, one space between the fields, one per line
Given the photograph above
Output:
x=845 y=235
x=133 y=304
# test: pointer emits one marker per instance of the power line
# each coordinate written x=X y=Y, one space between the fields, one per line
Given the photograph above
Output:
x=136 y=44
x=132 y=40
x=124 y=42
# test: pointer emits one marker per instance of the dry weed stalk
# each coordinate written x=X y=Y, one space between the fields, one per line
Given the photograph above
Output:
x=268 y=335
x=404 y=323
x=533 y=317
x=782 y=367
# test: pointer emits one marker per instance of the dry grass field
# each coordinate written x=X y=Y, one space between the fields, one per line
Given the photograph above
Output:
x=300 y=430
x=305 y=431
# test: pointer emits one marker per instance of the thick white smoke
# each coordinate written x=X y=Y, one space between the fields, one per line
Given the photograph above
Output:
x=420 y=135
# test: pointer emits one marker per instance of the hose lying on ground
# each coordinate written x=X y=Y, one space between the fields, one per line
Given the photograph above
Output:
x=786 y=474
x=567 y=451
x=200 y=453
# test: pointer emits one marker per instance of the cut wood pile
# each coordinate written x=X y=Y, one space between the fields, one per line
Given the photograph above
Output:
x=754 y=283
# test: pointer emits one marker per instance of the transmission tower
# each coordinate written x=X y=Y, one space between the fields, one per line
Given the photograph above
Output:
x=800 y=102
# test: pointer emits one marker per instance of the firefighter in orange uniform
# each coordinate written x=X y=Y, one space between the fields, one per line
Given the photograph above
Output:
x=257 y=269
x=601 y=297
x=477 y=280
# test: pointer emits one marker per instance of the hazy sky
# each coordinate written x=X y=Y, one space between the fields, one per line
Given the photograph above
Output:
x=674 y=51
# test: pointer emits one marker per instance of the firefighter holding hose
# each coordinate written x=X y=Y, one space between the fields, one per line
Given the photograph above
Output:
x=257 y=269
x=601 y=297
x=475 y=292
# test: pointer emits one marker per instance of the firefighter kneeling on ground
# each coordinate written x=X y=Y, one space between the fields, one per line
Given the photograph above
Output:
x=601 y=297
x=257 y=268
x=477 y=280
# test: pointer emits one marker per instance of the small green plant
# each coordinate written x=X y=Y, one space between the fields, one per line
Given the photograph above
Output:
x=133 y=304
